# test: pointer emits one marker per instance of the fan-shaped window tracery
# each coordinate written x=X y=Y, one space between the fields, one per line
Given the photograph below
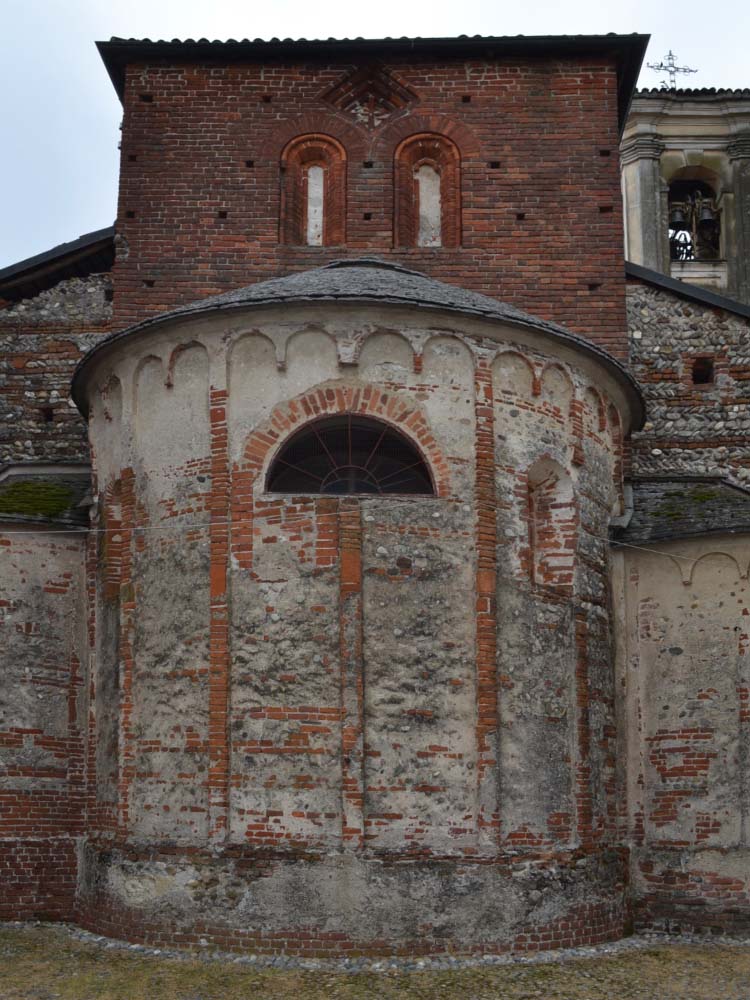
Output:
x=349 y=454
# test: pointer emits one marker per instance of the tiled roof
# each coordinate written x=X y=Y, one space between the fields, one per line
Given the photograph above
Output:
x=693 y=92
x=371 y=280
x=666 y=508
x=629 y=51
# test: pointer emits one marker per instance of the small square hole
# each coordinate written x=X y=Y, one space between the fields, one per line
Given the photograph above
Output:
x=130 y=214
x=249 y=164
x=702 y=372
x=604 y=152
x=222 y=214
x=109 y=294
x=367 y=216
x=367 y=164
x=146 y=98
x=605 y=209
x=266 y=98
x=593 y=285
x=132 y=158
x=148 y=282
x=47 y=414
x=494 y=164
x=520 y=216
x=466 y=99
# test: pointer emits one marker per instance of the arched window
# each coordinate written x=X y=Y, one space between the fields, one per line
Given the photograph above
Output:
x=427 y=176
x=553 y=526
x=349 y=454
x=694 y=221
x=313 y=196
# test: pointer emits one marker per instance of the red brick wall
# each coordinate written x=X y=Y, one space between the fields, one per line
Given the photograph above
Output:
x=541 y=221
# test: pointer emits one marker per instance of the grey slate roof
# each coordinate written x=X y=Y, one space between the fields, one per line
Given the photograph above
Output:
x=91 y=253
x=667 y=508
x=369 y=280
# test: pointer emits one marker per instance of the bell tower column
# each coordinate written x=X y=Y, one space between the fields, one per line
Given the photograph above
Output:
x=739 y=262
x=645 y=203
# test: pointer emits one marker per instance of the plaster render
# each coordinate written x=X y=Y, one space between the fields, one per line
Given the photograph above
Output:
x=683 y=668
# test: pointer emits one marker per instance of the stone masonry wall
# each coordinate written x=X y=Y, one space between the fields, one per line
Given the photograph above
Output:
x=541 y=224
x=691 y=429
x=42 y=721
x=685 y=673
x=41 y=340
x=314 y=715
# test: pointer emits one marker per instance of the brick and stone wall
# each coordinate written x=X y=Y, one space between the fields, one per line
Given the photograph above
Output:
x=540 y=224
x=315 y=717
x=42 y=721
x=42 y=338
x=684 y=669
x=692 y=429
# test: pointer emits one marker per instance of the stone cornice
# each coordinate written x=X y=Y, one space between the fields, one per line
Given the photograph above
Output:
x=641 y=147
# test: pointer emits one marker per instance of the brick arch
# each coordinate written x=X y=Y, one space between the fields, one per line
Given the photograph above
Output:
x=338 y=127
x=384 y=144
x=334 y=400
x=438 y=151
x=305 y=151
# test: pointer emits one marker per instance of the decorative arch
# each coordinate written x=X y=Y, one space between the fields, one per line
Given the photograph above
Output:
x=427 y=191
x=313 y=193
x=595 y=421
x=365 y=401
x=514 y=374
x=557 y=389
x=553 y=526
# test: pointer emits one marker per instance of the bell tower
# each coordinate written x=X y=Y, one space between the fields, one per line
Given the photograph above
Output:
x=685 y=158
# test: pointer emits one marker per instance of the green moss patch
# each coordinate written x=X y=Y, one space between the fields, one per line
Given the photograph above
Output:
x=35 y=498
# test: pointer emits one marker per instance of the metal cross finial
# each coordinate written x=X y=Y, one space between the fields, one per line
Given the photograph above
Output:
x=668 y=66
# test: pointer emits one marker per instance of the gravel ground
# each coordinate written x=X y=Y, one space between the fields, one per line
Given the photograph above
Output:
x=53 y=962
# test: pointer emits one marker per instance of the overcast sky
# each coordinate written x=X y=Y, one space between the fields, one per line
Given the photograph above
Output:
x=60 y=116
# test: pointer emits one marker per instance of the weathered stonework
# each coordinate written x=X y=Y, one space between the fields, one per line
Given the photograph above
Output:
x=694 y=429
x=684 y=669
x=42 y=338
x=333 y=724
x=326 y=704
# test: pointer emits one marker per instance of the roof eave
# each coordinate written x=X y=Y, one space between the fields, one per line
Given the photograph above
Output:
x=629 y=50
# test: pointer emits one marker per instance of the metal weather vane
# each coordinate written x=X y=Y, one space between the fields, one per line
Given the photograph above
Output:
x=667 y=65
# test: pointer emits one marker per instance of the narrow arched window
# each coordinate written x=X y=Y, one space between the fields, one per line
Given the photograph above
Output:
x=349 y=454
x=313 y=193
x=553 y=527
x=427 y=176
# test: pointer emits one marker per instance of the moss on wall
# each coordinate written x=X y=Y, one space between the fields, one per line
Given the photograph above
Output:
x=34 y=498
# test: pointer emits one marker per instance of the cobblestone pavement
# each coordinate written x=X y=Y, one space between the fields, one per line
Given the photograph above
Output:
x=58 y=963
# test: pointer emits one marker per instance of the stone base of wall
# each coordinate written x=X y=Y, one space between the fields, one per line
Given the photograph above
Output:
x=697 y=891
x=37 y=879
x=334 y=905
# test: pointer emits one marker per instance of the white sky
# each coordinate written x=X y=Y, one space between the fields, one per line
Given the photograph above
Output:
x=59 y=114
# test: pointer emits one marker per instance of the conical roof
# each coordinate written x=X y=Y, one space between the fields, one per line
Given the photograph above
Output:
x=362 y=280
